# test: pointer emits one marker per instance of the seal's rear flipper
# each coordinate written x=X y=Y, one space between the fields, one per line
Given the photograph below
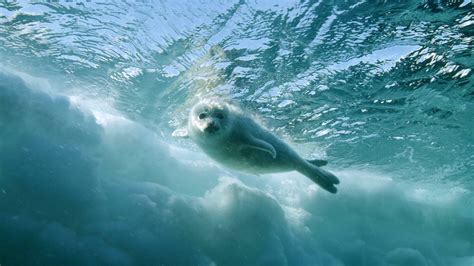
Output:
x=321 y=177
x=318 y=163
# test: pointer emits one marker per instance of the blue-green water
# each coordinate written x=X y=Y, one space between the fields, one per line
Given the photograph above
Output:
x=90 y=93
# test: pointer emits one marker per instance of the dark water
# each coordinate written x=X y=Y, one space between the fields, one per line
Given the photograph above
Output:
x=90 y=93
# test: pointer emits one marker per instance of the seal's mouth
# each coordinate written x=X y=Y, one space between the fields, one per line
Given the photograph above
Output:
x=211 y=128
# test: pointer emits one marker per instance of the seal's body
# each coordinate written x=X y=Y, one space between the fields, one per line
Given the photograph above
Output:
x=235 y=140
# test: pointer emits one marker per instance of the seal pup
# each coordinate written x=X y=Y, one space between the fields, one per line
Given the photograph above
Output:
x=236 y=140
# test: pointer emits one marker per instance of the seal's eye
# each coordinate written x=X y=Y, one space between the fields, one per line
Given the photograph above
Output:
x=220 y=115
x=202 y=115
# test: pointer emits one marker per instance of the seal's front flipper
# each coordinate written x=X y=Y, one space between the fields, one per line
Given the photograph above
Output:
x=255 y=143
x=180 y=133
x=318 y=163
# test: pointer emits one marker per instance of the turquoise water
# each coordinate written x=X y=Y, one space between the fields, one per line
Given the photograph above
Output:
x=91 y=92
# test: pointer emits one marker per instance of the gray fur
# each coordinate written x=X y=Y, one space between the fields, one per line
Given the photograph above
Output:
x=235 y=140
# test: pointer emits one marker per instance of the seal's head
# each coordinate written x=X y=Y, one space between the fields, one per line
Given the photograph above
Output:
x=210 y=118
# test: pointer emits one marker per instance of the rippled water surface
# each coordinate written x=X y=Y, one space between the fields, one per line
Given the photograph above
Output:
x=90 y=93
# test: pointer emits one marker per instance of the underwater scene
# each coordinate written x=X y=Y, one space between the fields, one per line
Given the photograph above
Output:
x=92 y=94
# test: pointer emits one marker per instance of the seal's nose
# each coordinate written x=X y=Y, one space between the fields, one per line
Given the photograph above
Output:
x=211 y=127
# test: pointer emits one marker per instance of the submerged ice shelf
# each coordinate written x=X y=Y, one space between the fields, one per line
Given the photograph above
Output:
x=76 y=182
